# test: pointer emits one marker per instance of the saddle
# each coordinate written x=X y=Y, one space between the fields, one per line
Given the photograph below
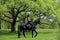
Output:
x=28 y=26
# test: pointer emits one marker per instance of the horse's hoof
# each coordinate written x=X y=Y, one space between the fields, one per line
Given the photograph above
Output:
x=18 y=37
x=32 y=37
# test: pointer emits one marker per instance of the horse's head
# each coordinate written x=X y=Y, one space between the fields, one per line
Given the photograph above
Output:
x=37 y=21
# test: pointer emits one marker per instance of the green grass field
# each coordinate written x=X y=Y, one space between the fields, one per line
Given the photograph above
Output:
x=45 y=34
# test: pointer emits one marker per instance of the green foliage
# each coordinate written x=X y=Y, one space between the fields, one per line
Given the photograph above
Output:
x=47 y=7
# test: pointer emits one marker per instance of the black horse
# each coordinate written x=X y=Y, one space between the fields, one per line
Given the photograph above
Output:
x=30 y=27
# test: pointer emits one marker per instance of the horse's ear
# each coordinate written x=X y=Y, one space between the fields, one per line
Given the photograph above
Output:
x=38 y=18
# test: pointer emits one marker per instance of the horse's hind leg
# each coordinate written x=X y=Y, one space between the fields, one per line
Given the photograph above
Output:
x=19 y=33
x=24 y=33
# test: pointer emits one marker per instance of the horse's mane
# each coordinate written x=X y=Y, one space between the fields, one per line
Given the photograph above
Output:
x=35 y=21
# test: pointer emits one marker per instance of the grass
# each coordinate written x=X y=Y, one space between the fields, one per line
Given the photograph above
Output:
x=46 y=34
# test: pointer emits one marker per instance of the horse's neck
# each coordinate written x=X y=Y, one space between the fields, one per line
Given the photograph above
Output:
x=35 y=24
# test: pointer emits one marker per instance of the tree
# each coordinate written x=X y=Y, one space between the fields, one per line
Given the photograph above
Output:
x=13 y=9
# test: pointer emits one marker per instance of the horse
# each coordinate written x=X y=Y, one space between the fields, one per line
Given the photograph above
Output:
x=30 y=27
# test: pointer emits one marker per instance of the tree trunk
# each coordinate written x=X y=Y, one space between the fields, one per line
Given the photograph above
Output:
x=13 y=25
x=0 y=24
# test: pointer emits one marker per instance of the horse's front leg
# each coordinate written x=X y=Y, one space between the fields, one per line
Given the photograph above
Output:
x=36 y=33
x=32 y=33
x=24 y=33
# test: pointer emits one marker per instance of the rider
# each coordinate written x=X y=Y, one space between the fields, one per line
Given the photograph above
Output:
x=28 y=20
